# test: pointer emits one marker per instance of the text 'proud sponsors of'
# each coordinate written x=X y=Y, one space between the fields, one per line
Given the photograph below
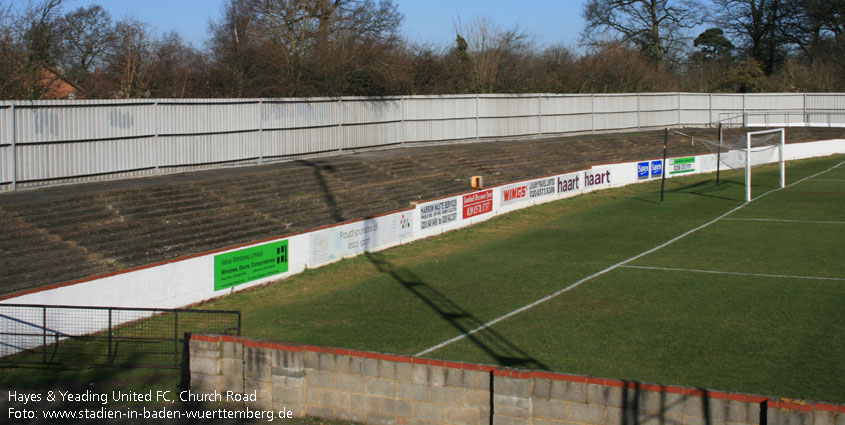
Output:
x=355 y=238
x=531 y=190
x=478 y=203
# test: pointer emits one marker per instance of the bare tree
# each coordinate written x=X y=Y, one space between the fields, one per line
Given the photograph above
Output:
x=131 y=59
x=488 y=48
x=759 y=26
x=86 y=34
x=312 y=37
x=656 y=26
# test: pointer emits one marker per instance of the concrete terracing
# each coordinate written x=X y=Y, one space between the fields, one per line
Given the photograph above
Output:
x=61 y=234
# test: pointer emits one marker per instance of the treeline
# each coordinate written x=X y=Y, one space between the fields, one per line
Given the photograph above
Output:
x=295 y=48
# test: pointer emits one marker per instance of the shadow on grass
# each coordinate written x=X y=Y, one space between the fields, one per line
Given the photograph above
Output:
x=491 y=342
x=709 y=189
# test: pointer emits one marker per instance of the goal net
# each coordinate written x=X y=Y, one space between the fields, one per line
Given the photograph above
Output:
x=753 y=149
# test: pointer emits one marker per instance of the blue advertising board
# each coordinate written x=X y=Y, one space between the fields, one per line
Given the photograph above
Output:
x=642 y=170
x=656 y=168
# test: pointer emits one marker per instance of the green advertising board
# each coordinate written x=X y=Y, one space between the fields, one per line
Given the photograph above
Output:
x=248 y=264
x=682 y=165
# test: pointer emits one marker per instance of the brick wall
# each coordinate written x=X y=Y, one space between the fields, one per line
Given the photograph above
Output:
x=379 y=389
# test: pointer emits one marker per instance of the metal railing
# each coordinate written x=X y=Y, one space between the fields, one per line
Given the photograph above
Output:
x=100 y=336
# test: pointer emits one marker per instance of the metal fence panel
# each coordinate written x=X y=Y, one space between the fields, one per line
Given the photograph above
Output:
x=566 y=105
x=728 y=101
x=5 y=124
x=429 y=131
x=104 y=335
x=6 y=168
x=299 y=114
x=774 y=102
x=694 y=101
x=614 y=103
x=371 y=111
x=658 y=102
x=51 y=161
x=204 y=118
x=826 y=101
x=658 y=118
x=508 y=127
x=370 y=135
x=438 y=108
x=40 y=123
x=508 y=106
x=205 y=149
x=615 y=121
x=694 y=118
x=280 y=143
x=566 y=123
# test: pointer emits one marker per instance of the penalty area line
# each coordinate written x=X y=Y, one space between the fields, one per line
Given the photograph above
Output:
x=609 y=269
x=673 y=269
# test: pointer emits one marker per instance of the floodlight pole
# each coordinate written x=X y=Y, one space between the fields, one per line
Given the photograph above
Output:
x=663 y=169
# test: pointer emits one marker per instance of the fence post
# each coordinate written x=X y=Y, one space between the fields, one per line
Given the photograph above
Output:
x=109 y=358
x=639 y=110
x=743 y=110
x=679 y=109
x=477 y=136
x=156 y=146
x=710 y=112
x=44 y=334
x=175 y=338
x=14 y=151
x=402 y=121
x=540 y=114
x=340 y=124
x=260 y=134
x=806 y=117
x=592 y=112
x=185 y=381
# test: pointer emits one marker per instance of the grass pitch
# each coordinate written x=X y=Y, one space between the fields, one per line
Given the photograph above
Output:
x=753 y=302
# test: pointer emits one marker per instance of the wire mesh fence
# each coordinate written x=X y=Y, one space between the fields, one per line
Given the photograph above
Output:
x=101 y=336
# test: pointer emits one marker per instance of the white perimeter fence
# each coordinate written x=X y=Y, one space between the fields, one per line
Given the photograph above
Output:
x=46 y=142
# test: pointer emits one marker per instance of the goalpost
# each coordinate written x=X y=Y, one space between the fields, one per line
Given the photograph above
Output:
x=755 y=148
x=762 y=144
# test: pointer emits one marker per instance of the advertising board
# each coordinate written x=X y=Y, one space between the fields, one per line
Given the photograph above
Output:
x=354 y=238
x=681 y=165
x=478 y=203
x=248 y=264
x=438 y=213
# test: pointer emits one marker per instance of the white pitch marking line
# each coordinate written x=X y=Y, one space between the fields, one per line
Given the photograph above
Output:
x=785 y=221
x=829 y=180
x=734 y=273
x=613 y=267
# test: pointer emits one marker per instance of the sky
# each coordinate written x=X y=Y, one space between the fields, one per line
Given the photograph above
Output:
x=426 y=21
